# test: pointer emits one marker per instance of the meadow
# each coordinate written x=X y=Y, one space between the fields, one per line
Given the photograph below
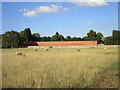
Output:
x=56 y=68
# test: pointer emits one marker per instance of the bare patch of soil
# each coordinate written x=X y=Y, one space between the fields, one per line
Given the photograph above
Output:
x=109 y=79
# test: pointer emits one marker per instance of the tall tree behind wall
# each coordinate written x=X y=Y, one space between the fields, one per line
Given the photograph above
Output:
x=11 y=39
x=26 y=35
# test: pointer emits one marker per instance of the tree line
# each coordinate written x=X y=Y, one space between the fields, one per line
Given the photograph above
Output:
x=16 y=39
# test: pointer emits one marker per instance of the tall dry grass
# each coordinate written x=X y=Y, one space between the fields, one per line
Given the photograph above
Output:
x=0 y=62
x=56 y=68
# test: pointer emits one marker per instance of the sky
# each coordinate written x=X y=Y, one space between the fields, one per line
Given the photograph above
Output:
x=67 y=18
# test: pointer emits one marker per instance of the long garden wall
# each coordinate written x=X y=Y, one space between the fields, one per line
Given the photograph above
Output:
x=62 y=43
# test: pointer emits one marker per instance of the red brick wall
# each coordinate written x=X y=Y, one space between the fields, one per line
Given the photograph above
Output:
x=63 y=43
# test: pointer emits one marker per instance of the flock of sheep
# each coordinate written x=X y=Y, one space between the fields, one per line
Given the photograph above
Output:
x=22 y=54
x=45 y=49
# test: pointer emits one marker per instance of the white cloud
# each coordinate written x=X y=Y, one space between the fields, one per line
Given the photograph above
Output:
x=30 y=14
x=48 y=9
x=91 y=3
x=42 y=9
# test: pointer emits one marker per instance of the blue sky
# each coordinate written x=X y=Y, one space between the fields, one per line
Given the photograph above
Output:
x=66 y=18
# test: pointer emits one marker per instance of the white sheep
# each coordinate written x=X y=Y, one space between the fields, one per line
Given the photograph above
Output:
x=45 y=49
x=17 y=53
x=105 y=48
x=20 y=53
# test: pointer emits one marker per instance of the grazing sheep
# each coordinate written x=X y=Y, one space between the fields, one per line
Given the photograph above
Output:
x=50 y=46
x=20 y=53
x=105 y=48
x=17 y=53
x=36 y=49
x=45 y=49
x=78 y=50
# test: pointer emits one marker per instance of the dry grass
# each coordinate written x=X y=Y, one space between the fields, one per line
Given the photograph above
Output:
x=57 y=68
x=0 y=68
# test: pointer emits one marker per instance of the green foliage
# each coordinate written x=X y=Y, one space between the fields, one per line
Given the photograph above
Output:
x=111 y=41
x=108 y=40
x=76 y=39
x=16 y=39
x=91 y=34
x=99 y=37
x=68 y=38
x=85 y=38
x=61 y=38
x=57 y=34
x=36 y=35
x=116 y=33
x=57 y=37
x=26 y=35
x=114 y=39
x=11 y=39
x=45 y=38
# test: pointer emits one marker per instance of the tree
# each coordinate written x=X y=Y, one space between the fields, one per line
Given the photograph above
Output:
x=45 y=38
x=85 y=38
x=57 y=37
x=99 y=37
x=116 y=33
x=22 y=36
x=114 y=39
x=57 y=34
x=26 y=34
x=61 y=38
x=76 y=39
x=108 y=40
x=68 y=38
x=35 y=37
x=49 y=38
x=91 y=34
x=11 y=39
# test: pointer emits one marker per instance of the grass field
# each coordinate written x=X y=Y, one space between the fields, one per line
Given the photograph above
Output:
x=56 y=68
